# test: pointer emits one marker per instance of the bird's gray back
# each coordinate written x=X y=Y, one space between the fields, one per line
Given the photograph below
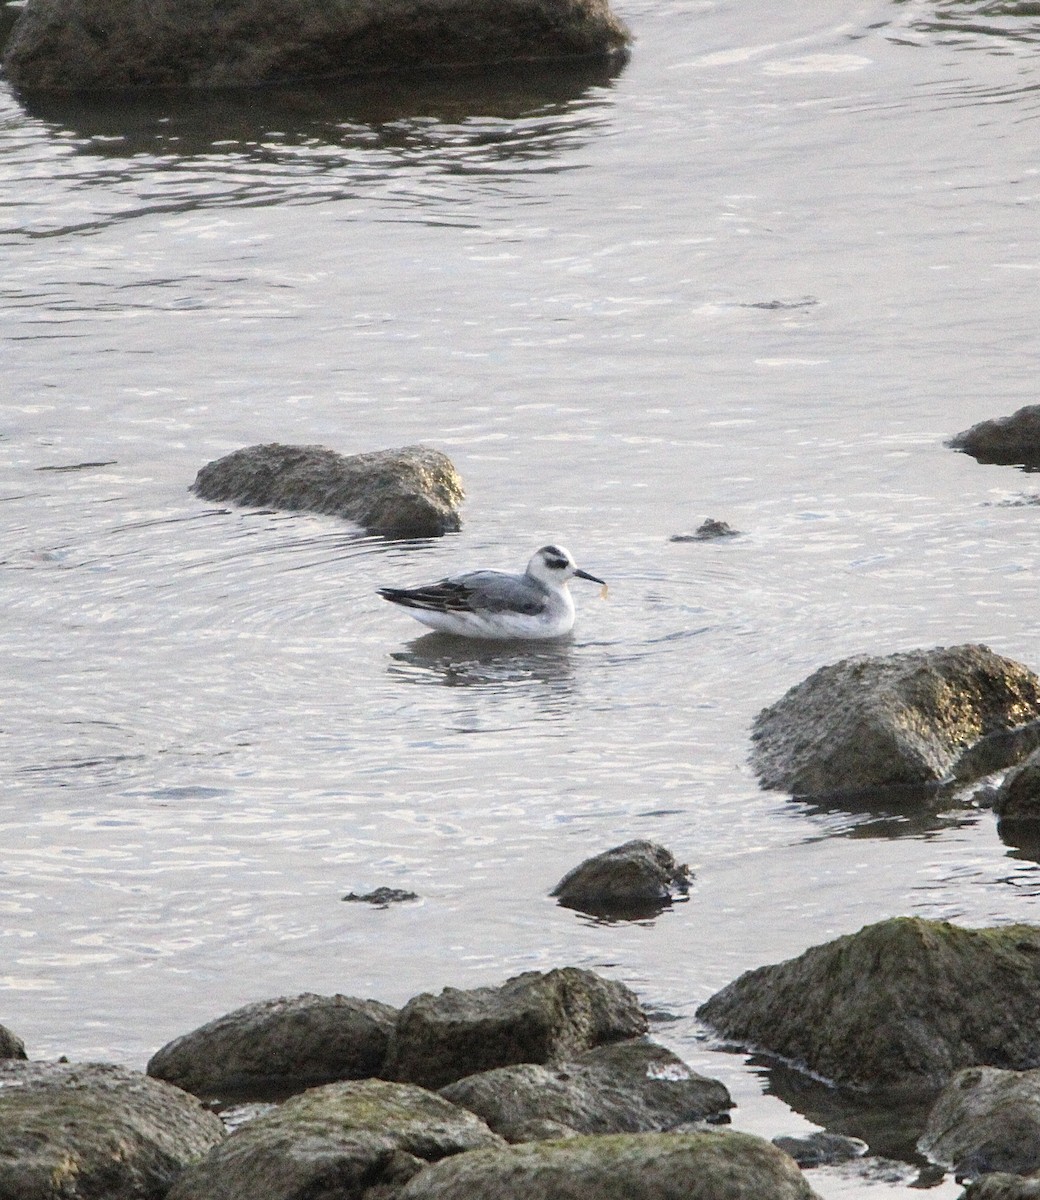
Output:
x=499 y=591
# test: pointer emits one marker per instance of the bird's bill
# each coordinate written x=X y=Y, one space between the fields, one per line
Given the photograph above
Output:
x=590 y=578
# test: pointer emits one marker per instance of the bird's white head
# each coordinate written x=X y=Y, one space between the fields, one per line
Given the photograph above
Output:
x=554 y=565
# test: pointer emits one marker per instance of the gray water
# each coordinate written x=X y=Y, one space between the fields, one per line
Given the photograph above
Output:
x=759 y=274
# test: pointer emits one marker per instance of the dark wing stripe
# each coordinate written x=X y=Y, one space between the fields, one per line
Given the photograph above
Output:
x=435 y=597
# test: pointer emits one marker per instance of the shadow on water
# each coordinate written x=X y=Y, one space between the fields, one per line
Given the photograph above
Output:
x=981 y=24
x=407 y=111
x=890 y=812
x=443 y=660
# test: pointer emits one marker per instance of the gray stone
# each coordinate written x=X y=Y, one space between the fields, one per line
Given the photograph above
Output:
x=275 y=1047
x=343 y=1141
x=709 y=530
x=646 y=1166
x=628 y=1087
x=66 y=45
x=1000 y=1186
x=986 y=1120
x=95 y=1132
x=902 y=720
x=382 y=897
x=534 y=1017
x=899 y=1006
x=635 y=880
x=11 y=1046
x=414 y=492
x=1018 y=797
x=1008 y=441
x=821 y=1148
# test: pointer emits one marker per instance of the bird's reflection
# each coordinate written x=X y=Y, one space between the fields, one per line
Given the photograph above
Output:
x=439 y=658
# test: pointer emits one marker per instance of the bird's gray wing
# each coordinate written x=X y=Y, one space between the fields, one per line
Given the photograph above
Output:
x=477 y=591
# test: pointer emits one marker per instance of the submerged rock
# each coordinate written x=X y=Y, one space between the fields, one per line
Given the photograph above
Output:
x=654 y=1166
x=709 y=530
x=821 y=1148
x=986 y=1120
x=627 y=1087
x=906 y=719
x=95 y=1132
x=382 y=897
x=534 y=1018
x=67 y=45
x=275 y=1047
x=410 y=493
x=343 y=1140
x=637 y=879
x=1008 y=441
x=900 y=1005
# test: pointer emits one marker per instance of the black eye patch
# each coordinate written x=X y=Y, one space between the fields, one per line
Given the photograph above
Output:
x=558 y=563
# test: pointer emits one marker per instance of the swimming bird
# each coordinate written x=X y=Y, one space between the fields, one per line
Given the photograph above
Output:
x=496 y=604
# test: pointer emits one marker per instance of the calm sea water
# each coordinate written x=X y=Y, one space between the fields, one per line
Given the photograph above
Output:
x=759 y=274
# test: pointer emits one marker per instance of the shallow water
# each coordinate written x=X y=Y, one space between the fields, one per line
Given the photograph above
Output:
x=758 y=274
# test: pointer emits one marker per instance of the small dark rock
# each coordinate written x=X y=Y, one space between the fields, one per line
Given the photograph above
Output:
x=410 y=493
x=707 y=531
x=1007 y=441
x=1018 y=797
x=1000 y=1186
x=276 y=1047
x=632 y=881
x=382 y=897
x=11 y=1046
x=821 y=1149
x=534 y=1017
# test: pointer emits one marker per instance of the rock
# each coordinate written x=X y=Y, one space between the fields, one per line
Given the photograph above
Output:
x=382 y=897
x=986 y=1120
x=276 y=1047
x=637 y=879
x=900 y=1005
x=633 y=1166
x=11 y=1046
x=1018 y=797
x=95 y=1132
x=708 y=531
x=1009 y=441
x=868 y=723
x=634 y=1086
x=410 y=493
x=1003 y=1187
x=534 y=1017
x=345 y=1140
x=821 y=1149
x=70 y=45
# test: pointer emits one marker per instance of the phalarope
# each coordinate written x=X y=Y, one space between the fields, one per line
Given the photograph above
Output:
x=496 y=604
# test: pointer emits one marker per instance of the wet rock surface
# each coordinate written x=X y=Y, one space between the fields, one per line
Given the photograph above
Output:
x=275 y=1047
x=986 y=1120
x=11 y=1045
x=636 y=880
x=534 y=1018
x=901 y=1005
x=414 y=492
x=1003 y=1187
x=62 y=45
x=1007 y=441
x=628 y=1087
x=709 y=530
x=905 y=719
x=382 y=897
x=663 y=1166
x=821 y=1149
x=1018 y=797
x=95 y=1132
x=344 y=1140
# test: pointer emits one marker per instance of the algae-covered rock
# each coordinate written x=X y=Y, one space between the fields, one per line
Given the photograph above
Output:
x=340 y=1140
x=649 y=1166
x=628 y=1087
x=1002 y=1186
x=1008 y=441
x=1018 y=797
x=414 y=492
x=534 y=1018
x=986 y=1120
x=636 y=880
x=279 y=1046
x=94 y=1131
x=901 y=720
x=63 y=45
x=900 y=1005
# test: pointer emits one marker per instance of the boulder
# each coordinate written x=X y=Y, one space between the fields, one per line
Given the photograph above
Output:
x=986 y=1120
x=1008 y=441
x=71 y=45
x=1018 y=797
x=821 y=1149
x=636 y=880
x=340 y=1140
x=11 y=1046
x=899 y=1006
x=903 y=720
x=1001 y=1186
x=533 y=1018
x=410 y=493
x=95 y=1132
x=635 y=1166
x=634 y=1086
x=276 y=1047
